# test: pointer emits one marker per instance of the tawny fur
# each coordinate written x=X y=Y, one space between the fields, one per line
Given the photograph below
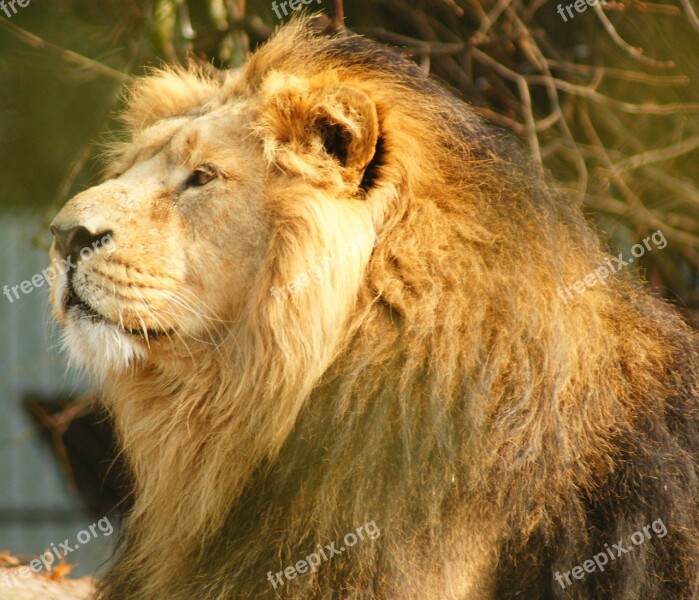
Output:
x=434 y=383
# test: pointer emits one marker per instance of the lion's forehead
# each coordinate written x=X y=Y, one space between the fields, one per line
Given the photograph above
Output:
x=188 y=138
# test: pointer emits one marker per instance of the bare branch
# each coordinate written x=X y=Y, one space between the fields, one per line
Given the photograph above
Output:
x=78 y=59
x=691 y=14
x=658 y=155
x=634 y=52
x=627 y=107
x=525 y=96
x=636 y=76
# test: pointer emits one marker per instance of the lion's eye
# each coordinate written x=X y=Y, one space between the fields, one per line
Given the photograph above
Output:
x=200 y=176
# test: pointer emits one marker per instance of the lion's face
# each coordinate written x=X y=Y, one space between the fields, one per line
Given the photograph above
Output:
x=203 y=213
x=188 y=233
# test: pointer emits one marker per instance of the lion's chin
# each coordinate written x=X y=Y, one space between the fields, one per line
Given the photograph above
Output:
x=100 y=347
x=95 y=343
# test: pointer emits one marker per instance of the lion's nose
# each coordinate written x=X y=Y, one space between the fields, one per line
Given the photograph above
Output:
x=70 y=242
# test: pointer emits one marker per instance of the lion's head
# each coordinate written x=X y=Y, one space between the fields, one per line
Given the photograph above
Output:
x=328 y=298
x=214 y=206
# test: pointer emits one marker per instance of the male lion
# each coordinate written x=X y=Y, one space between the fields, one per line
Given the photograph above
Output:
x=328 y=331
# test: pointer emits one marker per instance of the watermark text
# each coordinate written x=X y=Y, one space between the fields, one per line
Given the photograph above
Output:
x=314 y=559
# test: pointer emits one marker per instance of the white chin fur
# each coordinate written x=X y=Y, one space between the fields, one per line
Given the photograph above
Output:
x=101 y=348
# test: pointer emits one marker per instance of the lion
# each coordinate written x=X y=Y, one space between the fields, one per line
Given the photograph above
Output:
x=426 y=417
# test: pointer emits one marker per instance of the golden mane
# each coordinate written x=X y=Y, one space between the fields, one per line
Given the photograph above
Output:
x=439 y=386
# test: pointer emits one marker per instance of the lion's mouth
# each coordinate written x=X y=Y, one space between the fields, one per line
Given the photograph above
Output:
x=75 y=303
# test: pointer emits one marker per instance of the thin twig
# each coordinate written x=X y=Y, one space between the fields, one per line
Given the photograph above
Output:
x=457 y=9
x=650 y=7
x=691 y=14
x=69 y=55
x=416 y=46
x=632 y=51
x=626 y=75
x=340 y=14
x=495 y=117
x=657 y=155
x=627 y=107
x=636 y=210
x=684 y=189
x=542 y=63
x=489 y=20
x=525 y=97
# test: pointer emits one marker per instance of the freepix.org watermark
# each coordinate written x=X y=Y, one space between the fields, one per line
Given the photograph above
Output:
x=579 y=5
x=313 y=560
x=293 y=5
x=616 y=551
x=57 y=552
x=11 y=5
x=316 y=273
x=47 y=275
x=614 y=264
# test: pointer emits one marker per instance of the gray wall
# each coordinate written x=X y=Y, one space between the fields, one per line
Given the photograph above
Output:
x=37 y=506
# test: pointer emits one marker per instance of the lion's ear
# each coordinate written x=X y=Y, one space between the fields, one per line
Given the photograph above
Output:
x=347 y=123
x=332 y=122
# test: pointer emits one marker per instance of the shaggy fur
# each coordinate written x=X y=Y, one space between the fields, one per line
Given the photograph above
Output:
x=433 y=382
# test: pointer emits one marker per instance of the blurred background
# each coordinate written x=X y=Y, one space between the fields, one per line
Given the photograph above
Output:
x=606 y=100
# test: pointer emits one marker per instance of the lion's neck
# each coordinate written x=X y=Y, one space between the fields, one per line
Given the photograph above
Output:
x=193 y=437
